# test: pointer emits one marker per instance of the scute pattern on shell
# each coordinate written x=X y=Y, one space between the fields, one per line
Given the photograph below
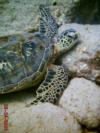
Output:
x=22 y=56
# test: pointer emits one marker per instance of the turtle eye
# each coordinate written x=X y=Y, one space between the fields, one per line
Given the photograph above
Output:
x=71 y=34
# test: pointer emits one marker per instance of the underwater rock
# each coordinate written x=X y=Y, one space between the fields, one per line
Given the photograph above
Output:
x=86 y=12
x=17 y=15
x=84 y=59
x=17 y=100
x=90 y=131
x=43 y=118
x=82 y=99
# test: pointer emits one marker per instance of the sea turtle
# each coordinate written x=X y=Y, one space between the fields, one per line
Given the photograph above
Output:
x=26 y=59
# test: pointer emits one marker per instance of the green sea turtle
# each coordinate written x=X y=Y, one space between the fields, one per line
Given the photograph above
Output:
x=26 y=59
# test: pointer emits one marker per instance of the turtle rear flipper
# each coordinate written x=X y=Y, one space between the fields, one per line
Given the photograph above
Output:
x=53 y=85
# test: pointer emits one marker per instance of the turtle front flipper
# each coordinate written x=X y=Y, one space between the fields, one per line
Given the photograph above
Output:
x=48 y=25
x=53 y=86
x=42 y=27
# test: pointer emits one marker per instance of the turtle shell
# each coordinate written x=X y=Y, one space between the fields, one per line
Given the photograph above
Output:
x=23 y=61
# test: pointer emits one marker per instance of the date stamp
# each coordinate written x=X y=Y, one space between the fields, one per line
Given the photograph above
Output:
x=4 y=118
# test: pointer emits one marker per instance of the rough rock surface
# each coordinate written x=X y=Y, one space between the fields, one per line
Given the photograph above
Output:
x=43 y=118
x=17 y=15
x=82 y=99
x=84 y=59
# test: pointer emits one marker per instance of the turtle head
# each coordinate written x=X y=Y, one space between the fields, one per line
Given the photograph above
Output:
x=65 y=41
